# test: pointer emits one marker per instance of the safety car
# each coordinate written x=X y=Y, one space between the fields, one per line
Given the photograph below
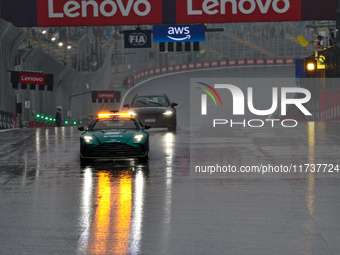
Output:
x=114 y=136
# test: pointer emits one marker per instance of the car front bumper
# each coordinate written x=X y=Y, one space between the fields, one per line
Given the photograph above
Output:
x=157 y=120
x=113 y=150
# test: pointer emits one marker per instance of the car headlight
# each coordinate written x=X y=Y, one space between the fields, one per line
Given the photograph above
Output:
x=168 y=113
x=138 y=138
x=88 y=139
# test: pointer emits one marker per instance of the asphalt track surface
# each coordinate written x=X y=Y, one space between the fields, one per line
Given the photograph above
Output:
x=51 y=204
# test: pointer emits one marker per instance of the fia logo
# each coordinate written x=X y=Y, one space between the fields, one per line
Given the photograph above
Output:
x=137 y=39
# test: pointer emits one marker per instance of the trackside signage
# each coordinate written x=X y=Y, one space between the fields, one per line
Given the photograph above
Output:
x=32 y=78
x=32 y=13
x=112 y=96
x=98 y=12
x=179 y=33
x=137 y=39
x=106 y=95
x=214 y=11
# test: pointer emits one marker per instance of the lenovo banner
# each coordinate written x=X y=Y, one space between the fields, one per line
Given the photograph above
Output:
x=215 y=11
x=22 y=80
x=28 y=13
x=32 y=78
x=106 y=95
x=99 y=12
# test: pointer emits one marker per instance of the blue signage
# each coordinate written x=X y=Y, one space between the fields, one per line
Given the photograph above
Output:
x=179 y=33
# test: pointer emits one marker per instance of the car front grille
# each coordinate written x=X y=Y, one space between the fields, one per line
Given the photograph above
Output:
x=114 y=149
x=150 y=115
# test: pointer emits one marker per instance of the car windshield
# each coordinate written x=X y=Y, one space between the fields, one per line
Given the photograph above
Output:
x=114 y=123
x=150 y=101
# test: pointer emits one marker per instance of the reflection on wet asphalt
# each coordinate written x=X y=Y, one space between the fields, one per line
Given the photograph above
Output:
x=52 y=204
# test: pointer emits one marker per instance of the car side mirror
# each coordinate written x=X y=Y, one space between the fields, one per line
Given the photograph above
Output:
x=126 y=105
x=147 y=127
x=81 y=128
x=174 y=104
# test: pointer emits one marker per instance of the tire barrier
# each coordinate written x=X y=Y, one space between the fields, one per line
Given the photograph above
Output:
x=7 y=120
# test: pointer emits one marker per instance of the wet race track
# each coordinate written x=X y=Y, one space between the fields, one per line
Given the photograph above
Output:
x=51 y=204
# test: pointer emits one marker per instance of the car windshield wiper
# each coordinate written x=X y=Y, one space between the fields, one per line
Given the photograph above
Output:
x=156 y=103
x=141 y=102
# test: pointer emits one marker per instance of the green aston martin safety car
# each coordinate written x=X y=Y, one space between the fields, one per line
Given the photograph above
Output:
x=114 y=136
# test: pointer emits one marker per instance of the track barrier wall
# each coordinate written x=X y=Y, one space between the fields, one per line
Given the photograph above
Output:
x=133 y=79
x=330 y=105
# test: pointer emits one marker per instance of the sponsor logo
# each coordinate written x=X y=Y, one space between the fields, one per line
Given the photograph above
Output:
x=106 y=95
x=212 y=7
x=214 y=11
x=113 y=135
x=179 y=33
x=98 y=12
x=107 y=8
x=182 y=32
x=30 y=78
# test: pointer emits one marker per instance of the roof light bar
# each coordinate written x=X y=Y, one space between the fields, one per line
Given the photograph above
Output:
x=107 y=114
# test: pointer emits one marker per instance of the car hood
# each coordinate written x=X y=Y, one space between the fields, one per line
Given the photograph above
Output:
x=107 y=136
x=156 y=109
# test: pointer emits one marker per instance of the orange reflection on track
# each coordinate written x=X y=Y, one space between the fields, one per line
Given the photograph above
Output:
x=123 y=219
x=311 y=179
x=110 y=232
x=102 y=217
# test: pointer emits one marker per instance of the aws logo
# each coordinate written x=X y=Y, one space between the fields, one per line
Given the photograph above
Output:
x=179 y=33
